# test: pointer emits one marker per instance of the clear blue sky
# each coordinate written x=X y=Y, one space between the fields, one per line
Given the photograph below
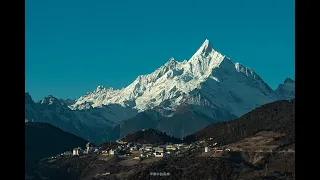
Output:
x=75 y=45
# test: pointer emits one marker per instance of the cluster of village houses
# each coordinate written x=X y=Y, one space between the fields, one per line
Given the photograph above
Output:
x=124 y=148
x=144 y=150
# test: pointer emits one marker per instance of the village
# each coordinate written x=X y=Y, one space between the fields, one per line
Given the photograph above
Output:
x=132 y=155
x=137 y=151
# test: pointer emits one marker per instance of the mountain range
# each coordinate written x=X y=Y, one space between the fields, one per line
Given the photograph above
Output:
x=178 y=98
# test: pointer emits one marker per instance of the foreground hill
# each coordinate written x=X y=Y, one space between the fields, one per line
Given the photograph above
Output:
x=278 y=116
x=150 y=136
x=44 y=140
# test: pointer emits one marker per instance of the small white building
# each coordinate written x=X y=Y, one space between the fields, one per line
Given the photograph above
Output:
x=105 y=152
x=158 y=154
x=134 y=148
x=171 y=147
x=76 y=151
x=217 y=149
x=113 y=152
x=147 y=147
x=121 y=142
x=206 y=149
x=181 y=146
x=89 y=147
x=159 y=149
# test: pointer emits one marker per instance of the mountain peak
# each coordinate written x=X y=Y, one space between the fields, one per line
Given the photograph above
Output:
x=286 y=90
x=206 y=59
x=28 y=99
x=99 y=89
x=205 y=48
x=50 y=100
x=288 y=80
x=171 y=61
x=206 y=42
x=204 y=51
x=27 y=95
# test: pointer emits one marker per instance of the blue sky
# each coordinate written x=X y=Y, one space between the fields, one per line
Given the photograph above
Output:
x=73 y=46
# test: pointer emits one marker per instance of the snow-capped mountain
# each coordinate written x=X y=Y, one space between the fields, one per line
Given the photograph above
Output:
x=209 y=87
x=225 y=84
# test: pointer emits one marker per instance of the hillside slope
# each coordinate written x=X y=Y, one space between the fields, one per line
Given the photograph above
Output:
x=44 y=140
x=150 y=136
x=278 y=116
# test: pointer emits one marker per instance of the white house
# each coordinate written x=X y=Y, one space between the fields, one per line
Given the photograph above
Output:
x=89 y=147
x=147 y=147
x=206 y=149
x=217 y=149
x=121 y=142
x=171 y=147
x=76 y=151
x=133 y=148
x=158 y=154
x=159 y=149
x=113 y=152
x=181 y=146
